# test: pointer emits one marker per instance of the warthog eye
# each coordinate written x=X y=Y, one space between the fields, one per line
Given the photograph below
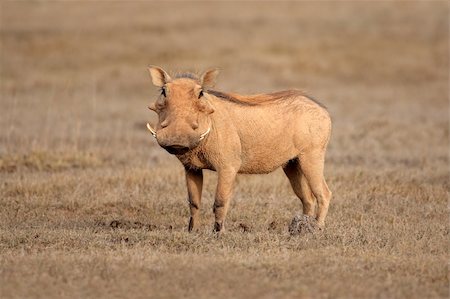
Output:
x=163 y=91
x=200 y=94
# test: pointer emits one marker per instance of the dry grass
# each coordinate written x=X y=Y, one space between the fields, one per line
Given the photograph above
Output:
x=91 y=207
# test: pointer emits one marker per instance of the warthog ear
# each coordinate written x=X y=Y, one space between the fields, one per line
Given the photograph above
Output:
x=159 y=76
x=208 y=78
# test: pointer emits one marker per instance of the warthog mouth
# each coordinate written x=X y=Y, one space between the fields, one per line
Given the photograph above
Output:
x=176 y=149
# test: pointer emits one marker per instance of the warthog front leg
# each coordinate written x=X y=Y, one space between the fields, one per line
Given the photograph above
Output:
x=224 y=193
x=194 y=182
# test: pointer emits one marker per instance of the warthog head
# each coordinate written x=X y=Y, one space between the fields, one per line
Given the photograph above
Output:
x=183 y=109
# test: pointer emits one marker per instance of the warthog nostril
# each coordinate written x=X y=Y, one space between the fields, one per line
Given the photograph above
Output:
x=176 y=149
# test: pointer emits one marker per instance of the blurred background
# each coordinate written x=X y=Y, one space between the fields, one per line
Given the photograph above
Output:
x=74 y=74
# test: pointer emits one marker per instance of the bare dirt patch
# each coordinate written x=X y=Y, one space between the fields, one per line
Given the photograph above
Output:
x=126 y=224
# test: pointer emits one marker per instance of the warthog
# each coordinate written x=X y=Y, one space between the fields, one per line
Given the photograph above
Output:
x=231 y=134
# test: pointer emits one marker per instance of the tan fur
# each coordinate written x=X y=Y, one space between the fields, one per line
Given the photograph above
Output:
x=249 y=134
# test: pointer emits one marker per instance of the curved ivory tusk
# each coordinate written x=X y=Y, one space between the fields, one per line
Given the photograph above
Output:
x=151 y=130
x=204 y=134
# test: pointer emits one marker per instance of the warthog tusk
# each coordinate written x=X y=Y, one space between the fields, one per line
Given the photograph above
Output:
x=204 y=134
x=151 y=130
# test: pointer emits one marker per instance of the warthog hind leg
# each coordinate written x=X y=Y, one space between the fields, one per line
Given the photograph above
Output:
x=312 y=166
x=300 y=186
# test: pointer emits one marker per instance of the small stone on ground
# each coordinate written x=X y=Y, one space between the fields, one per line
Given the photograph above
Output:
x=302 y=224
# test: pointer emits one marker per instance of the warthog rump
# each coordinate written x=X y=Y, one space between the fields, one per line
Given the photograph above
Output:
x=231 y=134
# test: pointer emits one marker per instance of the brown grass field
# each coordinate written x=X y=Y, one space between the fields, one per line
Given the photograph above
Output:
x=92 y=207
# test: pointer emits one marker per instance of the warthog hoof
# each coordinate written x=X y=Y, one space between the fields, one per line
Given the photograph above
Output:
x=191 y=224
x=218 y=227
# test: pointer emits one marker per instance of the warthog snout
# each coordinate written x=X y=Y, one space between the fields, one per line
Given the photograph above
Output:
x=177 y=143
x=171 y=139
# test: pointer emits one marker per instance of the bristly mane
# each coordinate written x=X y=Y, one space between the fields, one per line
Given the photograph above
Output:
x=260 y=99
x=187 y=75
x=253 y=100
